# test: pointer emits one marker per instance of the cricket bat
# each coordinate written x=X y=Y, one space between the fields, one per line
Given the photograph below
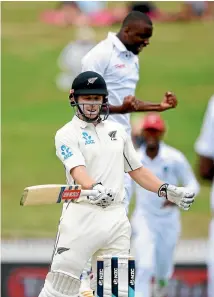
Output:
x=50 y=194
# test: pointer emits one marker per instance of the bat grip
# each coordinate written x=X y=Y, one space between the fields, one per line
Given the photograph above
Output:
x=89 y=192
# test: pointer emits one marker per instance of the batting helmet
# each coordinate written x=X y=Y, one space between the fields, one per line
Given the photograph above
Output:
x=90 y=83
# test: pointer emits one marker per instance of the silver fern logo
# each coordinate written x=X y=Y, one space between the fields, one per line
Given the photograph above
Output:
x=92 y=80
x=112 y=134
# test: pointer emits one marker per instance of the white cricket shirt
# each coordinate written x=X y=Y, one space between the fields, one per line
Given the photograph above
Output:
x=106 y=150
x=171 y=166
x=120 y=70
x=204 y=145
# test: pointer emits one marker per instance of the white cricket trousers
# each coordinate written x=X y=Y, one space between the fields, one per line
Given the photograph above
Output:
x=153 y=242
x=211 y=261
x=87 y=231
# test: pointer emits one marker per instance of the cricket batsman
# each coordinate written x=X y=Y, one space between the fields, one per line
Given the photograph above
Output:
x=95 y=153
x=156 y=222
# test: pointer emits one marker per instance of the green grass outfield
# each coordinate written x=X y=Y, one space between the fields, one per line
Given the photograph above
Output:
x=180 y=58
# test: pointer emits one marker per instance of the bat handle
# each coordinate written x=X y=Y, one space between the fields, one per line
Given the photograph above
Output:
x=89 y=193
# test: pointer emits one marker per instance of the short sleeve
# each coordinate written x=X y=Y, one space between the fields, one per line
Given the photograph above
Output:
x=97 y=59
x=204 y=145
x=68 y=152
x=131 y=157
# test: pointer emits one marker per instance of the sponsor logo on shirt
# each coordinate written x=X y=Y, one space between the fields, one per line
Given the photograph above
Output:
x=120 y=66
x=66 y=152
x=88 y=139
x=112 y=134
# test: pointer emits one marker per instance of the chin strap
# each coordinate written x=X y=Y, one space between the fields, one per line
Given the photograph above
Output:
x=88 y=120
x=104 y=108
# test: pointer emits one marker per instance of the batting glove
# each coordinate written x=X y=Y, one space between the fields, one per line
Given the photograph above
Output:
x=181 y=196
x=104 y=198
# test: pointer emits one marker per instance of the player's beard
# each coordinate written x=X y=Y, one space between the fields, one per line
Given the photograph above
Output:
x=135 y=49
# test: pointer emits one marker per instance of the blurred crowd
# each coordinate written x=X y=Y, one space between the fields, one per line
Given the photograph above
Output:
x=98 y=13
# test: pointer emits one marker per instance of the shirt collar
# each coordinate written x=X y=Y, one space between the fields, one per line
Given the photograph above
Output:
x=116 y=41
x=83 y=124
x=79 y=122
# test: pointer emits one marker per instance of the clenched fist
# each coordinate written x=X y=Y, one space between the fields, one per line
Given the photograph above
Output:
x=130 y=104
x=169 y=101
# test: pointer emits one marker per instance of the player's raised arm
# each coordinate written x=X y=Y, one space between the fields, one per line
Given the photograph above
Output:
x=131 y=104
x=169 y=101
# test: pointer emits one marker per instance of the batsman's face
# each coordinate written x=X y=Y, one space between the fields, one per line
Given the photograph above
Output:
x=152 y=137
x=137 y=36
x=90 y=105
